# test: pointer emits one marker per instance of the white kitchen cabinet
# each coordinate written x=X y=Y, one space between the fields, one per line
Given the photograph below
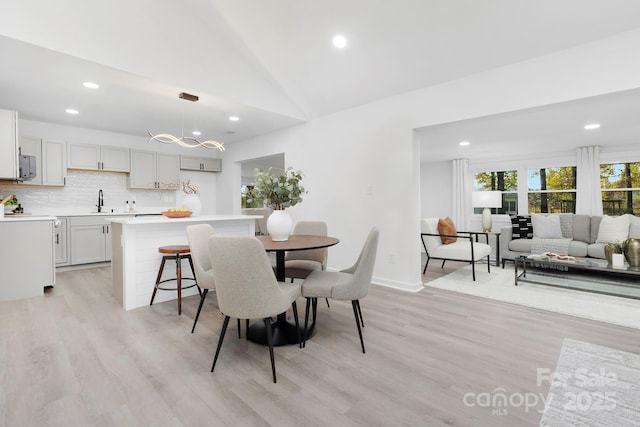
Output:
x=54 y=163
x=152 y=170
x=204 y=164
x=61 y=240
x=90 y=239
x=51 y=161
x=98 y=158
x=8 y=144
x=32 y=147
x=26 y=251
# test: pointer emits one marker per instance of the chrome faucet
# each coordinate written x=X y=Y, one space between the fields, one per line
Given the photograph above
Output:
x=100 y=201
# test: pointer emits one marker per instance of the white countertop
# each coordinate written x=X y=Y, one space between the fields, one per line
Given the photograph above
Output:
x=18 y=218
x=164 y=220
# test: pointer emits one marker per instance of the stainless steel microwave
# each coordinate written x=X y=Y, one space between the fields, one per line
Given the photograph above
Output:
x=27 y=167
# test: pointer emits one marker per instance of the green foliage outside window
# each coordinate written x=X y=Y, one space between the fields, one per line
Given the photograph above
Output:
x=546 y=187
x=620 y=183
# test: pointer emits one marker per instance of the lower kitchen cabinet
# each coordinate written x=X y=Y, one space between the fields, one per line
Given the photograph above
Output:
x=90 y=240
x=61 y=241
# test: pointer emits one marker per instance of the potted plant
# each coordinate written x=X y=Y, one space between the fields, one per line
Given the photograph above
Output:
x=278 y=192
x=612 y=248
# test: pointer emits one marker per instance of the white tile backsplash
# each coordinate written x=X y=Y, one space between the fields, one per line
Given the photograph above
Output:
x=81 y=195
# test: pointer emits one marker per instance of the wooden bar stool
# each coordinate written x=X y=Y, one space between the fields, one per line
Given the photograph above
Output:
x=178 y=253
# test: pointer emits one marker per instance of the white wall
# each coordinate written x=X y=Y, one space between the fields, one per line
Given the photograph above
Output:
x=360 y=167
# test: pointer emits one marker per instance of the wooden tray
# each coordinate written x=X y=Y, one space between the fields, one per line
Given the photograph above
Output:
x=169 y=214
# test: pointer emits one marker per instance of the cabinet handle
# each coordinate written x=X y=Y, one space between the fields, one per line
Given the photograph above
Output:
x=107 y=229
x=57 y=239
x=103 y=229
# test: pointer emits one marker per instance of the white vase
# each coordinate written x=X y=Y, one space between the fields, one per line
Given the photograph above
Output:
x=279 y=226
x=193 y=203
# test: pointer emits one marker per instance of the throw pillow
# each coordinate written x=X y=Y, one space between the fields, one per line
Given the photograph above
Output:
x=521 y=227
x=546 y=226
x=446 y=226
x=613 y=229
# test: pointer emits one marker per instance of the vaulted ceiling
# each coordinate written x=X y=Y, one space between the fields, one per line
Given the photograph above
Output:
x=269 y=62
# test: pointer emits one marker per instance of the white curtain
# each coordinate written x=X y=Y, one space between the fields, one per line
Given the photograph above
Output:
x=461 y=200
x=588 y=195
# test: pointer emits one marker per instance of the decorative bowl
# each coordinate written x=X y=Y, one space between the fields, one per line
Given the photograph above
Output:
x=170 y=214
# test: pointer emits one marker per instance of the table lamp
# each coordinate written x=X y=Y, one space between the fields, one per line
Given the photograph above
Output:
x=486 y=200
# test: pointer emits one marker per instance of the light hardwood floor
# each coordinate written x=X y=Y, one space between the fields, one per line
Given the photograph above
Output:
x=75 y=358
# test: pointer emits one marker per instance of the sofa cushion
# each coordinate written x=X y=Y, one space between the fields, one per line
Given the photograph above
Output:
x=566 y=225
x=613 y=229
x=581 y=228
x=595 y=227
x=546 y=226
x=596 y=250
x=446 y=226
x=520 y=245
x=578 y=248
x=634 y=228
x=521 y=227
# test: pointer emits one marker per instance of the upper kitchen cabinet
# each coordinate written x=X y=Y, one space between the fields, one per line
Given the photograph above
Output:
x=98 y=158
x=54 y=163
x=8 y=145
x=151 y=170
x=51 y=166
x=204 y=164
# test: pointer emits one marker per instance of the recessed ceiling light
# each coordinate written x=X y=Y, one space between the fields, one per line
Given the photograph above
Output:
x=196 y=133
x=71 y=111
x=234 y=118
x=340 y=41
x=91 y=85
x=592 y=126
x=463 y=143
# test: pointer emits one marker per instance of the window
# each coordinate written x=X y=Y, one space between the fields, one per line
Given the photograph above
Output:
x=620 y=184
x=505 y=181
x=552 y=190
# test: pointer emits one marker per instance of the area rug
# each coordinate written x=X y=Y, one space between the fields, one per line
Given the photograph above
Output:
x=499 y=285
x=593 y=386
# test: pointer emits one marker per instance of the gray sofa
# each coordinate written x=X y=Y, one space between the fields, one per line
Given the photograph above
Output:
x=581 y=229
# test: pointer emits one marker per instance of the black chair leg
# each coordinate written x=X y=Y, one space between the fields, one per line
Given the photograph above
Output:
x=239 y=330
x=354 y=304
x=443 y=261
x=488 y=264
x=202 y=297
x=360 y=312
x=222 y=332
x=267 y=324
x=425 y=266
x=246 y=325
x=327 y=300
x=306 y=322
x=473 y=270
x=294 y=306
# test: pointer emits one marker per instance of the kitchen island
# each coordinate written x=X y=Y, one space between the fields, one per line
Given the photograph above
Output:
x=27 y=258
x=135 y=259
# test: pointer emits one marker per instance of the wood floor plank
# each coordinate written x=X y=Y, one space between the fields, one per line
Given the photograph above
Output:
x=74 y=357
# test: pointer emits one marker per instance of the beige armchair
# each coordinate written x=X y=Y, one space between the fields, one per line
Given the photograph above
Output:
x=351 y=284
x=246 y=287
x=465 y=248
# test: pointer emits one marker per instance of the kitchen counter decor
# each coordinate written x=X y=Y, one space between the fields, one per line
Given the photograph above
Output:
x=177 y=213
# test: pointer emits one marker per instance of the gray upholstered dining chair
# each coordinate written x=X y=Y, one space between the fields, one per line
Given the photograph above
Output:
x=299 y=264
x=246 y=287
x=198 y=237
x=351 y=284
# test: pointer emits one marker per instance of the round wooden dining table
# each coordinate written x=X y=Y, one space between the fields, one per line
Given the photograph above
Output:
x=284 y=332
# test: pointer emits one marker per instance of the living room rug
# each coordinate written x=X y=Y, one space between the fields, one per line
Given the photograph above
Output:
x=499 y=285
x=593 y=386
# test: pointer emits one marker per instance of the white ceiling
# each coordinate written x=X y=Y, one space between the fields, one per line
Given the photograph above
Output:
x=556 y=128
x=283 y=47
